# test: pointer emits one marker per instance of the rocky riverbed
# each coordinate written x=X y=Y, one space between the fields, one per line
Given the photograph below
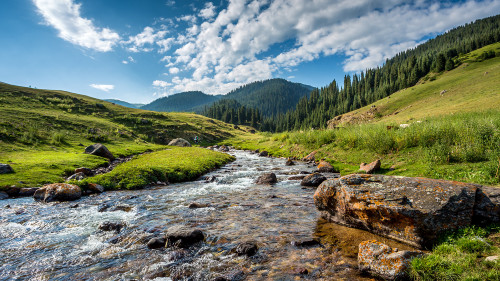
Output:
x=250 y=231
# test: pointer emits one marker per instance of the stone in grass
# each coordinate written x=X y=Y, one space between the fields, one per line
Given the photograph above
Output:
x=179 y=142
x=325 y=167
x=78 y=176
x=383 y=261
x=370 y=168
x=99 y=150
x=268 y=178
x=5 y=169
x=183 y=236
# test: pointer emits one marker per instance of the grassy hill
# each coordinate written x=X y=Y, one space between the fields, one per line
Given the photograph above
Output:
x=43 y=133
x=182 y=102
x=454 y=135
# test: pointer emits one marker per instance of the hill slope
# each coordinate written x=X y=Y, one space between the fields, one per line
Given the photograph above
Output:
x=471 y=87
x=182 y=102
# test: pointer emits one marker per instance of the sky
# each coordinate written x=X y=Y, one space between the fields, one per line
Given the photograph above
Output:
x=140 y=50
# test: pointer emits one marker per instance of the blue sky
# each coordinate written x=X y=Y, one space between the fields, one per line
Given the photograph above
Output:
x=138 y=51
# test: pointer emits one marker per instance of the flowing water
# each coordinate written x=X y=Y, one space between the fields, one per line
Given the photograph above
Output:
x=63 y=242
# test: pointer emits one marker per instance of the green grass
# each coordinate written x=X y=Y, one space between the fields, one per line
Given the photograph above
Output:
x=460 y=257
x=173 y=165
x=43 y=133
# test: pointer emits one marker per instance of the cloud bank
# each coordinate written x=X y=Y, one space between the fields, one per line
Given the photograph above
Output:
x=105 y=88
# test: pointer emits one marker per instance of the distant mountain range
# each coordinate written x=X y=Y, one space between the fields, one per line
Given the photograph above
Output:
x=124 y=103
x=270 y=97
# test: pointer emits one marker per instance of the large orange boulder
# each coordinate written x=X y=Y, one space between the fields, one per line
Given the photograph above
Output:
x=58 y=192
x=412 y=210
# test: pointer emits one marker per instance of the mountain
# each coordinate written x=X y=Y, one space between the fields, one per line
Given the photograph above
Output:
x=182 y=102
x=270 y=97
x=124 y=103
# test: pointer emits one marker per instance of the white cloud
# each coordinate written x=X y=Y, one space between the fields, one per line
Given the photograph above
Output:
x=64 y=15
x=170 y=3
x=105 y=88
x=161 y=83
x=253 y=39
x=174 y=70
x=208 y=12
x=147 y=37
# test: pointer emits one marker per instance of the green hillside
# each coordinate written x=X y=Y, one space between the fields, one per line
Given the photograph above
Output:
x=182 y=102
x=454 y=135
x=43 y=133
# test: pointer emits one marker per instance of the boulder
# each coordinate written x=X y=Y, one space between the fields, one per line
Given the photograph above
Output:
x=156 y=243
x=77 y=176
x=264 y=153
x=296 y=178
x=289 y=162
x=381 y=260
x=306 y=243
x=224 y=148
x=325 y=167
x=5 y=169
x=246 y=249
x=310 y=157
x=85 y=171
x=27 y=191
x=95 y=188
x=99 y=150
x=268 y=178
x=411 y=210
x=313 y=180
x=58 y=192
x=194 y=205
x=179 y=142
x=370 y=168
x=183 y=236
x=3 y=195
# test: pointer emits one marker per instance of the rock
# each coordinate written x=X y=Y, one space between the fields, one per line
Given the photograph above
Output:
x=5 y=169
x=58 y=192
x=370 y=168
x=313 y=180
x=246 y=249
x=210 y=179
x=99 y=150
x=179 y=142
x=95 y=188
x=224 y=148
x=4 y=195
x=306 y=243
x=289 y=162
x=27 y=191
x=381 y=260
x=487 y=206
x=268 y=178
x=264 y=153
x=194 y=205
x=77 y=176
x=111 y=226
x=85 y=171
x=310 y=157
x=325 y=167
x=236 y=127
x=492 y=258
x=12 y=191
x=252 y=131
x=301 y=271
x=183 y=236
x=294 y=178
x=74 y=206
x=156 y=243
x=411 y=210
x=103 y=207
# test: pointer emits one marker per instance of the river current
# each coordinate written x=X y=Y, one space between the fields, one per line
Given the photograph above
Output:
x=62 y=241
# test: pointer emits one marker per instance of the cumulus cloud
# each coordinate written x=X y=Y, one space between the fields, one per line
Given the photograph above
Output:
x=64 y=16
x=105 y=88
x=161 y=83
x=147 y=37
x=208 y=12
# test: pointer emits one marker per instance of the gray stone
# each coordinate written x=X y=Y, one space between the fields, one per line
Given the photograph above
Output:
x=99 y=150
x=77 y=176
x=183 y=236
x=3 y=195
x=5 y=169
x=268 y=178
x=179 y=142
x=313 y=180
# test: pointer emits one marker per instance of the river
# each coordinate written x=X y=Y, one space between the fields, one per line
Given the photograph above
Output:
x=62 y=241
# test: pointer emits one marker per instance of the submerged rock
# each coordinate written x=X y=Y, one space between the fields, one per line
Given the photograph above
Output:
x=194 y=205
x=156 y=243
x=289 y=162
x=370 y=168
x=183 y=236
x=246 y=249
x=306 y=243
x=268 y=178
x=3 y=195
x=411 y=210
x=179 y=142
x=58 y=192
x=381 y=260
x=313 y=180
x=99 y=150
x=111 y=226
x=5 y=169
